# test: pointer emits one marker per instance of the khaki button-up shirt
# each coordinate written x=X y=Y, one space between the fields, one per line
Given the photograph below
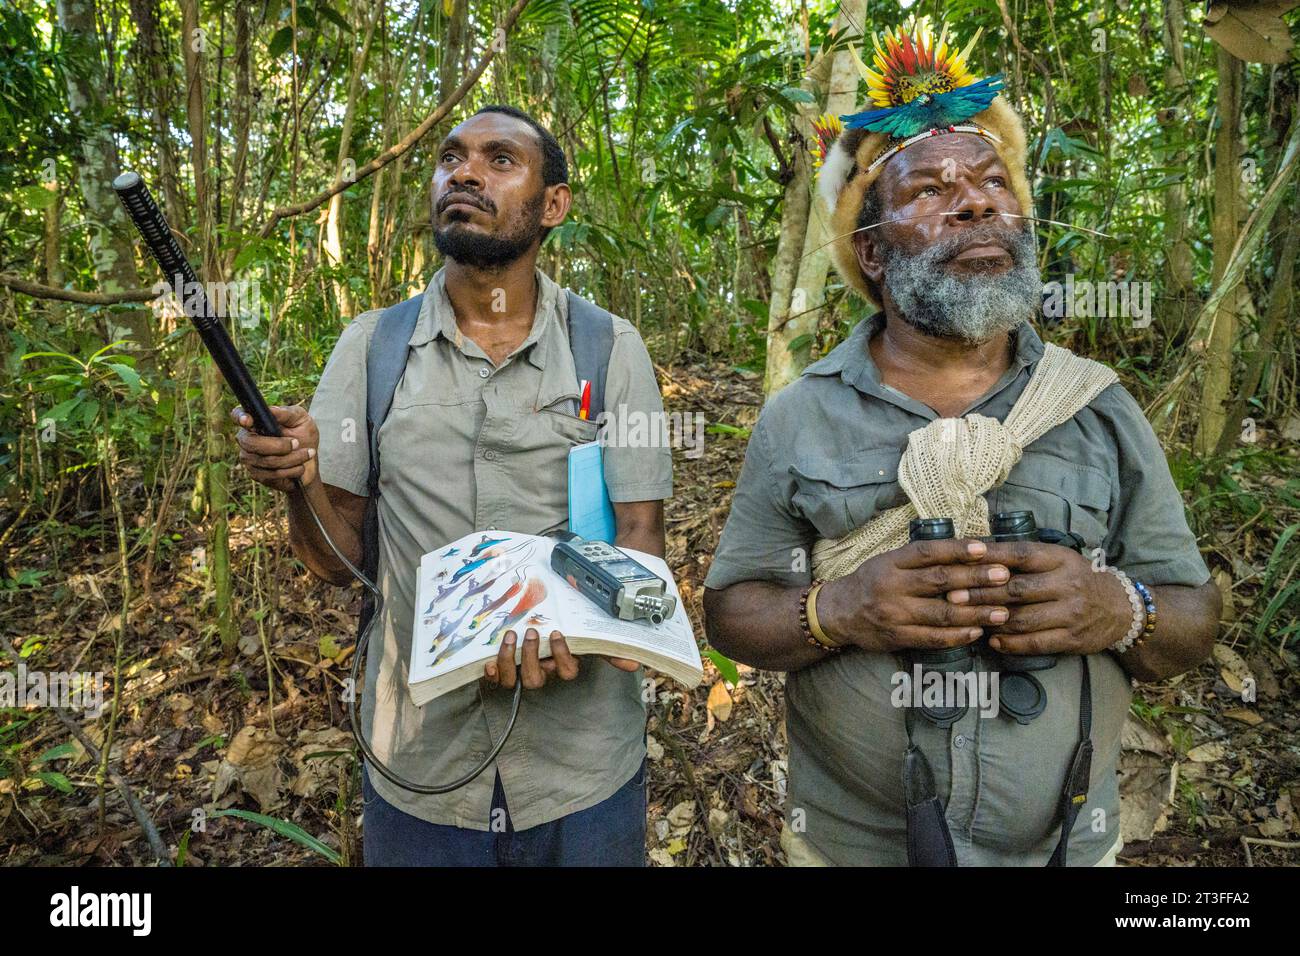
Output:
x=822 y=460
x=469 y=446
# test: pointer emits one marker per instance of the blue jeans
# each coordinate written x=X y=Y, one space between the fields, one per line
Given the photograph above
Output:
x=612 y=833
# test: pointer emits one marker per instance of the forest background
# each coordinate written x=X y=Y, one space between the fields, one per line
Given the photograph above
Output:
x=289 y=143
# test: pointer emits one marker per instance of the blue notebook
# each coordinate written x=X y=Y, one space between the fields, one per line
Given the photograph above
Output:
x=591 y=514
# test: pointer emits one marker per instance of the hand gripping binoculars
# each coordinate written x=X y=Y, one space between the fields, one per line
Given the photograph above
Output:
x=1020 y=694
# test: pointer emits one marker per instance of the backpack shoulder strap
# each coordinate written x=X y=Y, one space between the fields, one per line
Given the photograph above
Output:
x=385 y=363
x=591 y=339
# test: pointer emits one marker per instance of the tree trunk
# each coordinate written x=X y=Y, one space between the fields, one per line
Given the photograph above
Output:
x=456 y=44
x=1281 y=292
x=153 y=65
x=333 y=246
x=53 y=262
x=1227 y=205
x=793 y=317
x=242 y=111
x=377 y=184
x=785 y=267
x=1179 y=262
x=110 y=232
x=214 y=412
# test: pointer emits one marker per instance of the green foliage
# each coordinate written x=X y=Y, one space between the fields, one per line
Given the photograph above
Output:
x=32 y=100
x=85 y=404
x=1282 y=588
x=679 y=122
x=285 y=828
x=725 y=665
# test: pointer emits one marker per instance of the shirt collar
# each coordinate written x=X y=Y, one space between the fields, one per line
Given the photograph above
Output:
x=438 y=319
x=851 y=360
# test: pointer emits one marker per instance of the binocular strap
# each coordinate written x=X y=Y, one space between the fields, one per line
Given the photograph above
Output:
x=929 y=841
x=1075 y=793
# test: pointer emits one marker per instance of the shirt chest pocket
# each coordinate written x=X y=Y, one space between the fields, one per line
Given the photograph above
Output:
x=836 y=496
x=1063 y=495
x=569 y=428
x=422 y=386
x=540 y=441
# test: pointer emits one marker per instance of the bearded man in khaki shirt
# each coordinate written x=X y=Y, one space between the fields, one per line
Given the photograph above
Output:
x=477 y=439
x=933 y=408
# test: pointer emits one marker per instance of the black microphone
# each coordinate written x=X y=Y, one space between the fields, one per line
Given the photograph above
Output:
x=157 y=235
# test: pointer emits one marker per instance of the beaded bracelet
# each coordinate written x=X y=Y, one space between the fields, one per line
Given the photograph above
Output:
x=1139 y=612
x=1149 y=606
x=812 y=632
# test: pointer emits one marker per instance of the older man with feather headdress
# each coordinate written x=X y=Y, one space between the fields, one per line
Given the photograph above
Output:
x=946 y=504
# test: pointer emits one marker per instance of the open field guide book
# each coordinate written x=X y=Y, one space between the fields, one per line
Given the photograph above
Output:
x=476 y=588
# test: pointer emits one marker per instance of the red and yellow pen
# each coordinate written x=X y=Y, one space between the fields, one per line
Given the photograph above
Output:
x=584 y=408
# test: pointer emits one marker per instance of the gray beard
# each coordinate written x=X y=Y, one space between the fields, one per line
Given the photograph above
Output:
x=973 y=307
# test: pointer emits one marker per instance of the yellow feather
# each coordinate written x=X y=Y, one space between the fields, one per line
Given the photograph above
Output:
x=891 y=85
x=964 y=55
x=882 y=58
x=943 y=38
x=862 y=67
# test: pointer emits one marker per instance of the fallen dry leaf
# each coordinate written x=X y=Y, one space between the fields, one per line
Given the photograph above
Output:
x=1138 y=736
x=1273 y=828
x=1265 y=678
x=1144 y=785
x=1285 y=809
x=719 y=702
x=249 y=644
x=319 y=771
x=680 y=817
x=1223 y=581
x=661 y=857
x=252 y=761
x=1211 y=752
x=653 y=748
x=1235 y=671
x=718 y=819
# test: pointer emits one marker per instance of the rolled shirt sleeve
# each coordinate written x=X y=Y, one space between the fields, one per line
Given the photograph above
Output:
x=1148 y=537
x=339 y=408
x=764 y=539
x=635 y=470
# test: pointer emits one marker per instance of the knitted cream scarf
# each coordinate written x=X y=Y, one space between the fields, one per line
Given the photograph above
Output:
x=951 y=462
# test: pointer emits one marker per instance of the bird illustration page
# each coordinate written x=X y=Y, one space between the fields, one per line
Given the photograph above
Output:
x=474 y=590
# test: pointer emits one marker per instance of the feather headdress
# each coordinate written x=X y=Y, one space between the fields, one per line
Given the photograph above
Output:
x=920 y=87
x=922 y=83
x=827 y=128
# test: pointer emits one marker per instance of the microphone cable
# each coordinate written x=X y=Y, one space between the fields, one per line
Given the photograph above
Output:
x=363 y=641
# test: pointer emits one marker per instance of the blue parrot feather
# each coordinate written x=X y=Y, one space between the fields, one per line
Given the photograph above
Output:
x=928 y=112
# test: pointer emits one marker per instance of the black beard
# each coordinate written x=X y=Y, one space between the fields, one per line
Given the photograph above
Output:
x=480 y=251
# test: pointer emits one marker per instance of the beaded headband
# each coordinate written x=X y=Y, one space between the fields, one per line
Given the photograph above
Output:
x=893 y=150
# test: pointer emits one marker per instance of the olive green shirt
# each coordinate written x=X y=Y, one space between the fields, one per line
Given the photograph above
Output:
x=823 y=460
x=469 y=446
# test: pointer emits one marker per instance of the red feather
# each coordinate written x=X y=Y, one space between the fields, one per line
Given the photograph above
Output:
x=909 y=54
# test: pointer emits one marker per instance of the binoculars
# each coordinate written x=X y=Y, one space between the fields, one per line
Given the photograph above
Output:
x=1020 y=694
